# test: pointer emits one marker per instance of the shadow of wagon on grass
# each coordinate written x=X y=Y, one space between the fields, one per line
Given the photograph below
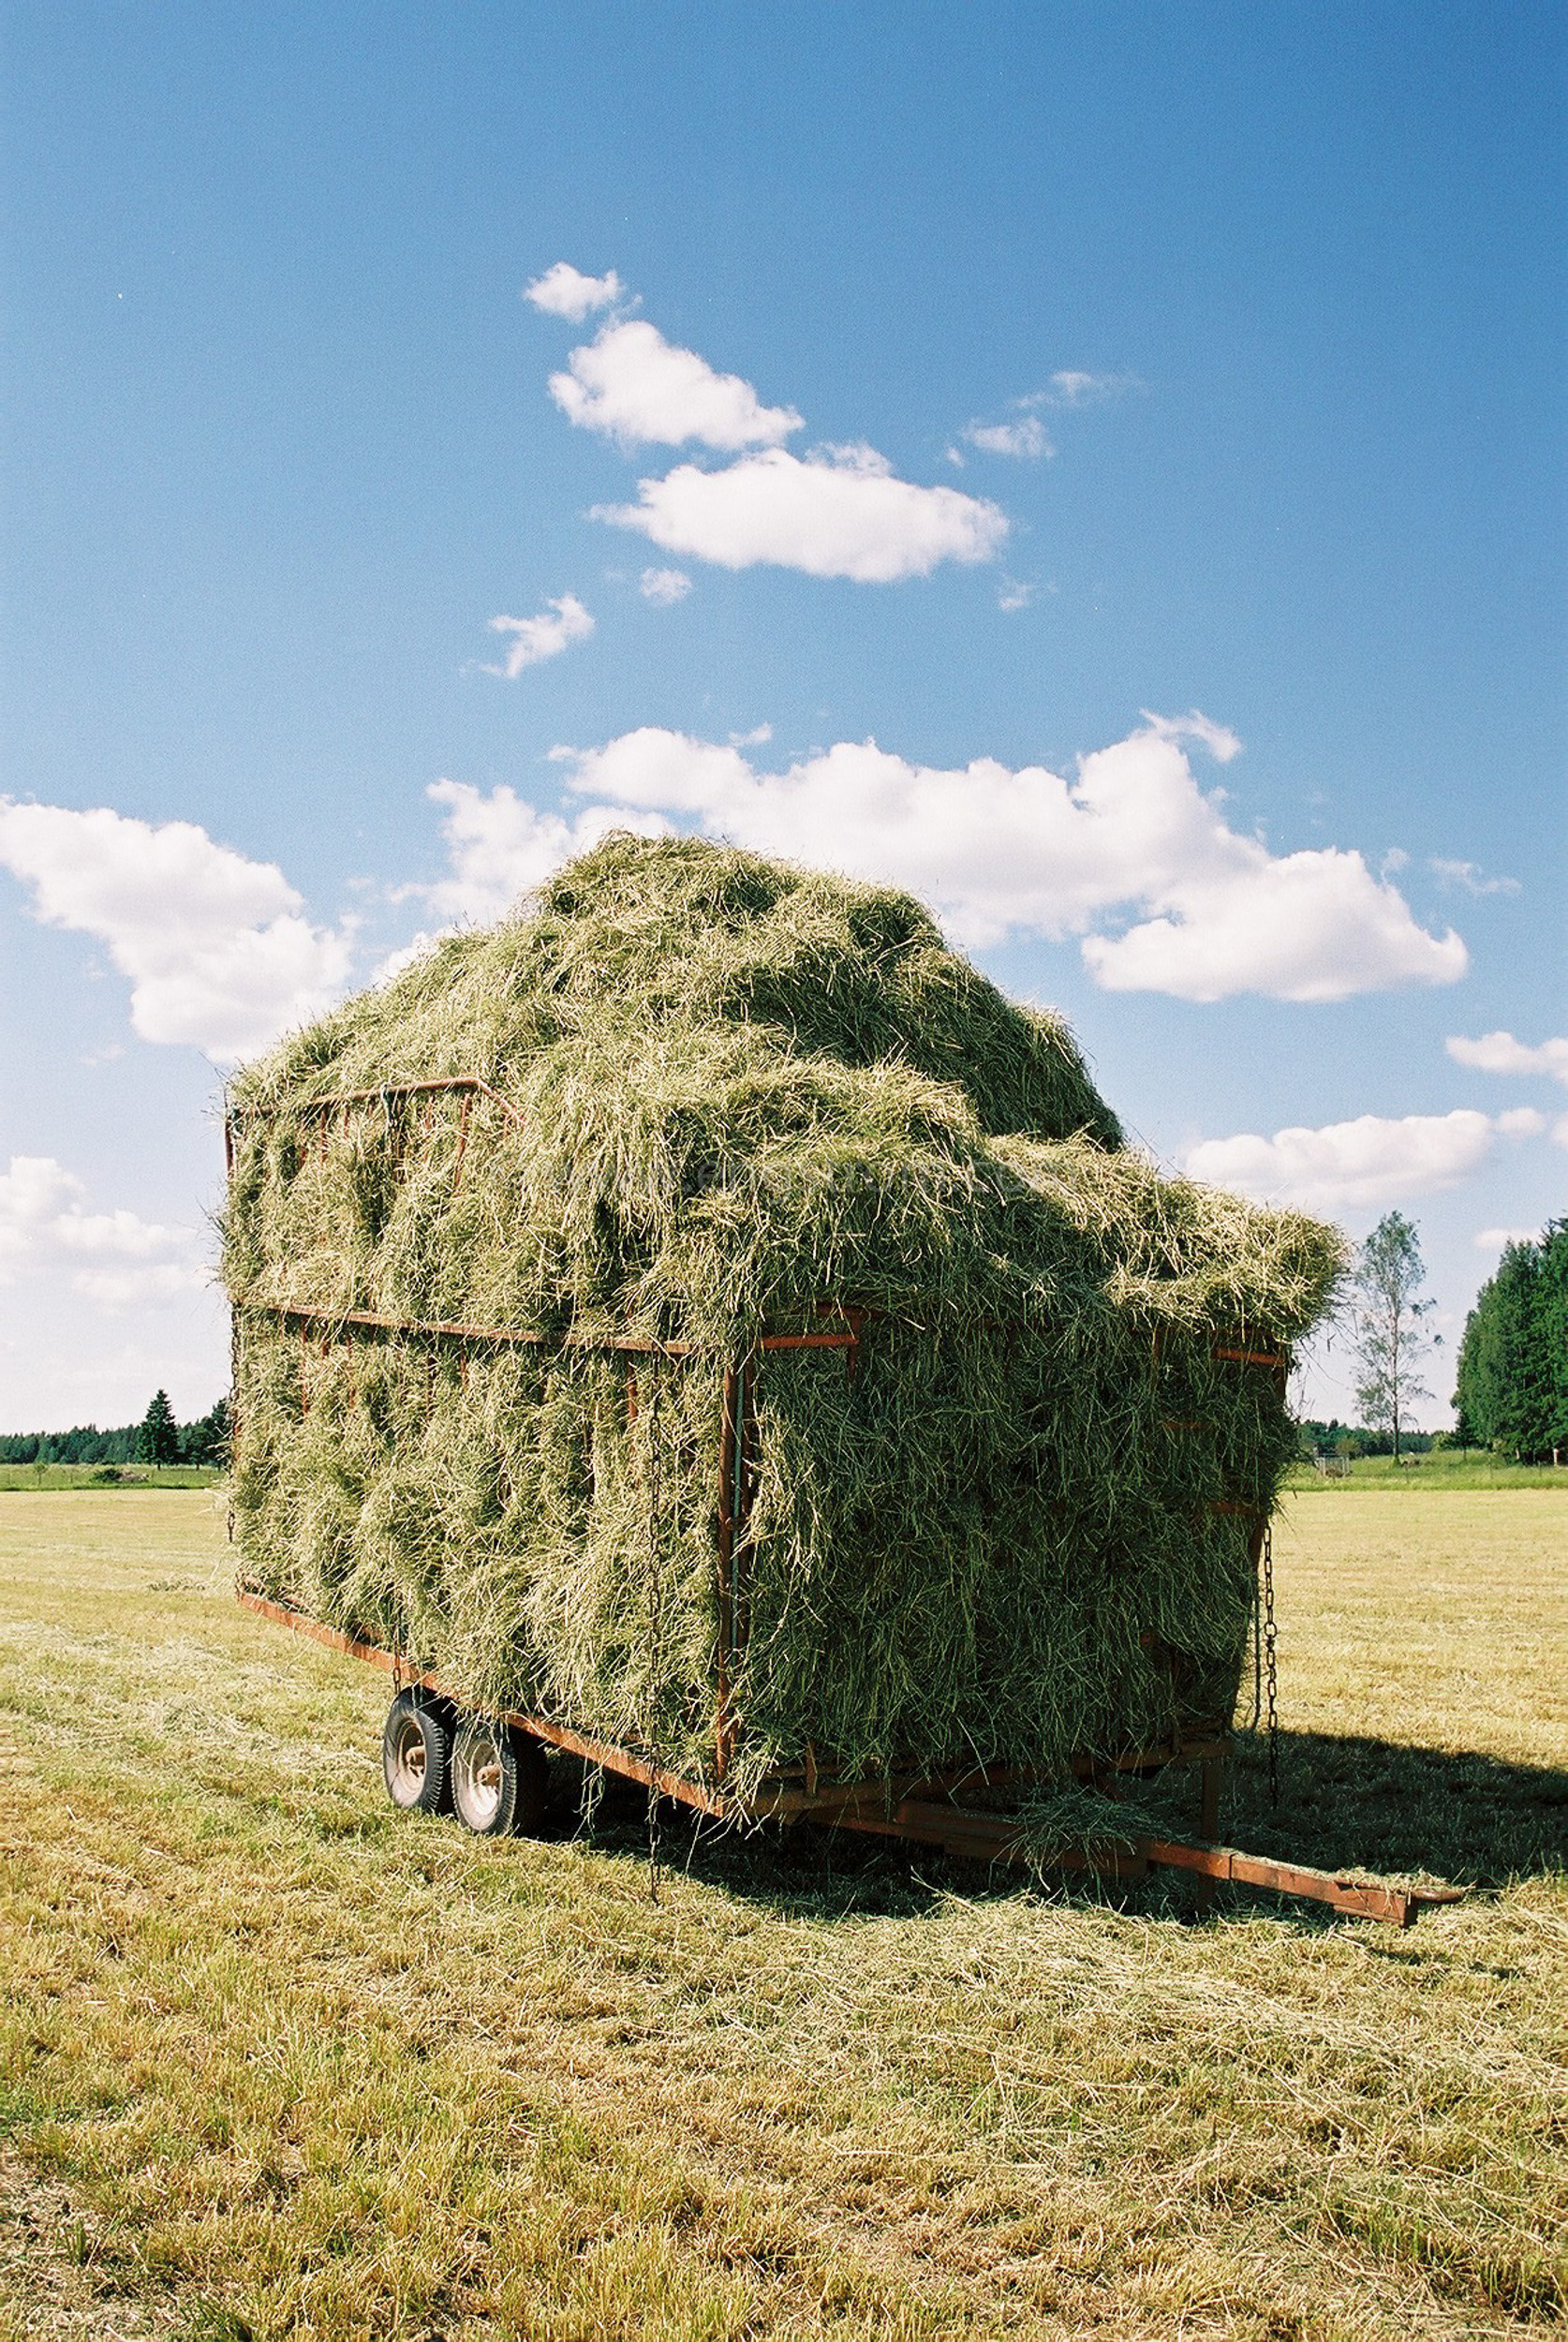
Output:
x=1345 y=1804
x=1478 y=1820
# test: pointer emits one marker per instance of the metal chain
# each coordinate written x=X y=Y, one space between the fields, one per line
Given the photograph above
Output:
x=1256 y=1716
x=655 y=1635
x=1271 y=1662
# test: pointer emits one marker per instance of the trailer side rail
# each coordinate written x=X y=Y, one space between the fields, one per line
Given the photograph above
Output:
x=920 y=1808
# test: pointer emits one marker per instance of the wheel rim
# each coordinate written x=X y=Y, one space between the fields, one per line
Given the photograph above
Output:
x=410 y=1761
x=478 y=1778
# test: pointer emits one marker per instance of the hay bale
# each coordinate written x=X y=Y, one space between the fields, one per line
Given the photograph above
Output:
x=722 y=1093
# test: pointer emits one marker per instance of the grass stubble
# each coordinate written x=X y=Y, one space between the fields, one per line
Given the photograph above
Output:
x=278 y=2062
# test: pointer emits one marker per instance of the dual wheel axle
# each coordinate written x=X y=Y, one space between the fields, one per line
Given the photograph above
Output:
x=435 y=1759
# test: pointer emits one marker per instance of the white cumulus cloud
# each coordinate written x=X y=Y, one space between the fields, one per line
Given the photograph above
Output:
x=1494 y=1239
x=835 y=513
x=1026 y=852
x=1499 y=1053
x=564 y=292
x=217 y=948
x=1361 y=1166
x=663 y=588
x=636 y=387
x=112 y=1256
x=559 y=625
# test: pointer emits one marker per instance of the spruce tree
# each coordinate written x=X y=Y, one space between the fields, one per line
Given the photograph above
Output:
x=159 y=1440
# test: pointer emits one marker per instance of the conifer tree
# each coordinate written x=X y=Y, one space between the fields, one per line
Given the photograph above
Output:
x=158 y=1438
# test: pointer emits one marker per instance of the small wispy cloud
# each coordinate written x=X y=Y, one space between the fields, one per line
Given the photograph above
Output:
x=1218 y=739
x=557 y=626
x=1071 y=386
x=1493 y=1239
x=1499 y=1053
x=663 y=587
x=564 y=292
x=1470 y=877
x=1025 y=437
x=1014 y=594
x=1022 y=434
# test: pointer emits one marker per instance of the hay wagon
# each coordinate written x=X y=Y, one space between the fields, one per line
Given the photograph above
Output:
x=703 y=1327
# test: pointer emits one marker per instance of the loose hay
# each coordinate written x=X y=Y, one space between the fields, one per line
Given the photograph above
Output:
x=730 y=1092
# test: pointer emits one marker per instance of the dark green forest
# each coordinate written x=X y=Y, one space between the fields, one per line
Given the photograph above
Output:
x=157 y=1438
x=1513 y=1378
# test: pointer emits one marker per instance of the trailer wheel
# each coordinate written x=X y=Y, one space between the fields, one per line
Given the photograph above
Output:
x=416 y=1753
x=497 y=1778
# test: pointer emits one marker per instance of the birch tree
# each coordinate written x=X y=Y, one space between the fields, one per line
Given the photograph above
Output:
x=1387 y=1320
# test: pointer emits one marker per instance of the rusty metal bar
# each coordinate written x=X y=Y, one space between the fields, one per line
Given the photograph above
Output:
x=473 y=1083
x=1363 y=1898
x=461 y=1138
x=637 y=1345
x=728 y=1443
x=809 y=1342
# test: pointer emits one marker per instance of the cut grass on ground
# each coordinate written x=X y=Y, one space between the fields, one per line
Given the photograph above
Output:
x=275 y=2061
x=57 y=1476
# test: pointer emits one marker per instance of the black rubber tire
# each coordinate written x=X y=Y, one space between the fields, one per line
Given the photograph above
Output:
x=499 y=1778
x=416 y=1754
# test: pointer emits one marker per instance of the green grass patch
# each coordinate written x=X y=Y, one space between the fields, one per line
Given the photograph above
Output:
x=54 y=1476
x=1442 y=1471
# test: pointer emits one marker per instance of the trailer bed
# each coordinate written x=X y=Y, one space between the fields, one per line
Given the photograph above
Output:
x=938 y=1809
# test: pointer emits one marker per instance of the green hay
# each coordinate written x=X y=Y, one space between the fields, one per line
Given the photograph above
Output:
x=740 y=1091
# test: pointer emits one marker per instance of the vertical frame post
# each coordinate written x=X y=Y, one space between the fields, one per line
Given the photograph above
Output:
x=728 y=1443
x=735 y=1505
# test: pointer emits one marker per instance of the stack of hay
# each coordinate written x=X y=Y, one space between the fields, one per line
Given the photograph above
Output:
x=734 y=1092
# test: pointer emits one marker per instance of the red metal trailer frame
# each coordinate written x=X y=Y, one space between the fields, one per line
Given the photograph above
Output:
x=928 y=1808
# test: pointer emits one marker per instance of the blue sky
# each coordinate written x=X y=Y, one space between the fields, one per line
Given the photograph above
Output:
x=1212 y=359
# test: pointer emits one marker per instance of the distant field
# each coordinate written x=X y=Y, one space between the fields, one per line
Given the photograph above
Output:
x=47 y=1476
x=274 y=2061
x=1453 y=1469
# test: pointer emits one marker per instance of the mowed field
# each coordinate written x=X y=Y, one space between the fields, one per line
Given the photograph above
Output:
x=277 y=2061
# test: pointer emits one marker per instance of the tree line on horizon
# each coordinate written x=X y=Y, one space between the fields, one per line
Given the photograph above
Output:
x=159 y=1438
x=1513 y=1374
x=1513 y=1362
